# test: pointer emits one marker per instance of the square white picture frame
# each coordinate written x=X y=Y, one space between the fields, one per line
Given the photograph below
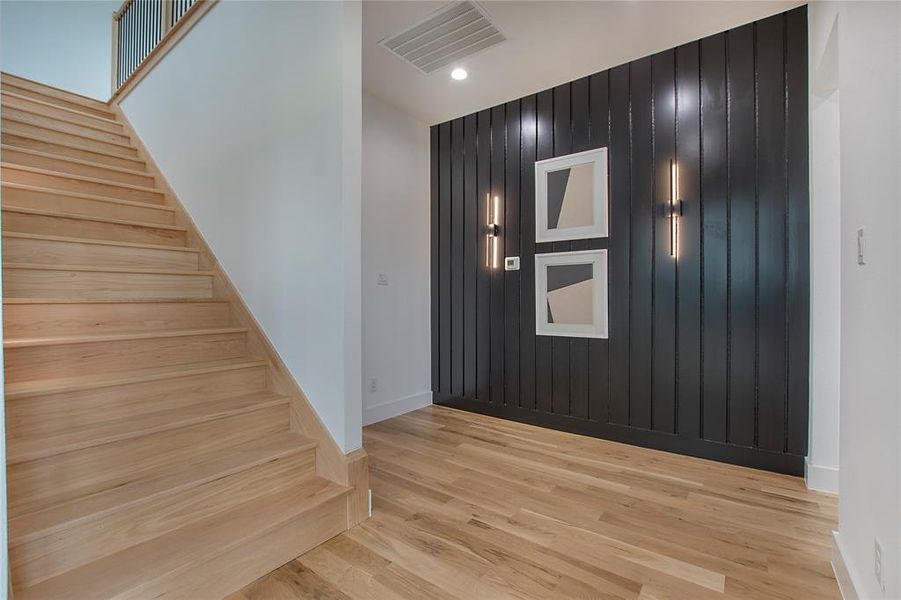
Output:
x=599 y=327
x=597 y=158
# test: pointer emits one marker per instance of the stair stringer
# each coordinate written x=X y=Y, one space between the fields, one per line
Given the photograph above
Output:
x=351 y=469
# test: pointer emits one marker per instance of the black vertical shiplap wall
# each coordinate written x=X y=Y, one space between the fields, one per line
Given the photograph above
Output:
x=708 y=354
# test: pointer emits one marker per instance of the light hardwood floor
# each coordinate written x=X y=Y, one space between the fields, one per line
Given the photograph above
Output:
x=472 y=507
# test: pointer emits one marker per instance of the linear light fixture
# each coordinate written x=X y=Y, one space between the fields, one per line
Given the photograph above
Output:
x=493 y=231
x=675 y=208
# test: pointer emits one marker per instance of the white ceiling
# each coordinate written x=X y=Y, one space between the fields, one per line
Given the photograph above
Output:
x=548 y=43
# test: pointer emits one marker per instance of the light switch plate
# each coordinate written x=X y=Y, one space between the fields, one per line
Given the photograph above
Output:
x=511 y=263
x=861 y=259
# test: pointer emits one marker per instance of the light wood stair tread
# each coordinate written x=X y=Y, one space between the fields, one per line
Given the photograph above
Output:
x=110 y=182
x=110 y=120
x=68 y=215
x=96 y=242
x=69 y=159
x=61 y=119
x=42 y=267
x=66 y=144
x=110 y=300
x=15 y=391
x=55 y=192
x=22 y=450
x=51 y=91
x=115 y=337
x=46 y=128
x=128 y=571
x=214 y=465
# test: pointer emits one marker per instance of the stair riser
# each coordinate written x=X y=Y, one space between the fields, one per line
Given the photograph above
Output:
x=41 y=483
x=50 y=413
x=53 y=136
x=40 y=200
x=67 y=360
x=64 y=126
x=50 y=163
x=236 y=568
x=97 y=230
x=54 y=112
x=47 y=319
x=61 y=182
x=38 y=283
x=20 y=141
x=47 y=252
x=52 y=97
x=54 y=554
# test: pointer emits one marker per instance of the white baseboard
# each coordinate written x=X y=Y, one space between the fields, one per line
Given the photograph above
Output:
x=393 y=408
x=844 y=577
x=821 y=479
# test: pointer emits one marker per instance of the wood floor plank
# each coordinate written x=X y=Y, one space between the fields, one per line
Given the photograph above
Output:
x=468 y=506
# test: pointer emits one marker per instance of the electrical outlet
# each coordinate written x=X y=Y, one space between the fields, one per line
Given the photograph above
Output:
x=382 y=279
x=877 y=563
x=373 y=385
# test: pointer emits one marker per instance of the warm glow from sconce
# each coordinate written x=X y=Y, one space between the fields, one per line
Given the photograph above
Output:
x=491 y=239
x=673 y=209
x=494 y=263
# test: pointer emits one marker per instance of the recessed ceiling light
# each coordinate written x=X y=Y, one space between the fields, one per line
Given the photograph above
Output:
x=459 y=74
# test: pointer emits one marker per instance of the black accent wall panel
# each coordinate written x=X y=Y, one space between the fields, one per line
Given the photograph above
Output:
x=708 y=351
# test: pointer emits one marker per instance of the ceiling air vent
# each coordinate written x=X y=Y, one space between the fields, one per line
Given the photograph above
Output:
x=447 y=36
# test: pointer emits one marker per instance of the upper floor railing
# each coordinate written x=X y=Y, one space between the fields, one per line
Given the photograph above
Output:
x=138 y=28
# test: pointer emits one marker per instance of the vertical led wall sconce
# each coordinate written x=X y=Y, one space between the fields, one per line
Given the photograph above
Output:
x=493 y=231
x=675 y=209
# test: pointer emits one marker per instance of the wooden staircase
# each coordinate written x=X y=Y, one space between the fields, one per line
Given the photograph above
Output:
x=156 y=444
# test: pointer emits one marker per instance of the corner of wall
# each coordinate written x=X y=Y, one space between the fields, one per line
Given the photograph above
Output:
x=840 y=566
x=351 y=197
x=820 y=478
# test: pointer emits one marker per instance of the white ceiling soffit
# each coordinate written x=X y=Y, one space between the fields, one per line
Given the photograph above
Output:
x=451 y=34
x=548 y=42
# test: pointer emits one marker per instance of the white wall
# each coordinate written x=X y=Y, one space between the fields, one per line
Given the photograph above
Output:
x=396 y=341
x=65 y=44
x=869 y=150
x=254 y=118
x=825 y=255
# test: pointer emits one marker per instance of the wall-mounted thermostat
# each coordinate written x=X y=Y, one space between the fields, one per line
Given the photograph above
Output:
x=511 y=263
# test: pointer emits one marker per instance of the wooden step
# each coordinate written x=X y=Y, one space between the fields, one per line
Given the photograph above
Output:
x=87 y=401
x=158 y=567
x=35 y=198
x=29 y=359
x=55 y=96
x=87 y=540
x=71 y=150
x=58 y=251
x=43 y=281
x=139 y=385
x=66 y=224
x=40 y=443
x=74 y=166
x=222 y=574
x=55 y=136
x=215 y=465
x=84 y=418
x=80 y=184
x=64 y=126
x=39 y=485
x=22 y=107
x=35 y=317
x=12 y=100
